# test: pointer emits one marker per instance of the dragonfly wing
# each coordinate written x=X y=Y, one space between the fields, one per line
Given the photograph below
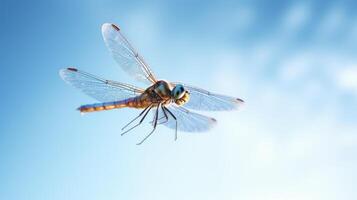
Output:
x=204 y=100
x=125 y=55
x=187 y=121
x=98 y=88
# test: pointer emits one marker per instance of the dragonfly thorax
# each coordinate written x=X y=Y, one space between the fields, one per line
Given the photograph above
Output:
x=163 y=89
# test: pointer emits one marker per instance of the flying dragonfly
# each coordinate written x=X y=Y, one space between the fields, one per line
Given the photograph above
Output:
x=170 y=102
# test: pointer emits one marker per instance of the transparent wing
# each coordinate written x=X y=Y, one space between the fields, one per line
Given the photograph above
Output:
x=201 y=99
x=187 y=121
x=125 y=55
x=98 y=88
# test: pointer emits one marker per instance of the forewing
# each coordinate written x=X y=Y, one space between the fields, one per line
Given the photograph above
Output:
x=187 y=121
x=98 y=88
x=204 y=100
x=125 y=55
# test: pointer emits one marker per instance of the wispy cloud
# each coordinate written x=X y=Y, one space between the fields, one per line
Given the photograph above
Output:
x=347 y=79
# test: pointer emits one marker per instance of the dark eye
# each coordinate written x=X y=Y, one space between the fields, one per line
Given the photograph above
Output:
x=181 y=89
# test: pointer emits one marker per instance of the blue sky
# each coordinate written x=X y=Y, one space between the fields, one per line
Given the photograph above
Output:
x=293 y=62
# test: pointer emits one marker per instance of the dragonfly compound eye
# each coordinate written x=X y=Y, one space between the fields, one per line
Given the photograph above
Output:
x=178 y=91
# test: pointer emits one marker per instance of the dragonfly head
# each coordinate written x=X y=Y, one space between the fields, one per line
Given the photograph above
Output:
x=180 y=95
x=178 y=91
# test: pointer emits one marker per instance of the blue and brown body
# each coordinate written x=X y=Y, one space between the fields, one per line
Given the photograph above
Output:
x=159 y=93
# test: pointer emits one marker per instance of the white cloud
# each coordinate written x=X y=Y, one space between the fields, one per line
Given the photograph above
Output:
x=347 y=78
x=278 y=148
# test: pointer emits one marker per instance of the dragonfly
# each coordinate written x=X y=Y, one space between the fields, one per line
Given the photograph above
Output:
x=170 y=102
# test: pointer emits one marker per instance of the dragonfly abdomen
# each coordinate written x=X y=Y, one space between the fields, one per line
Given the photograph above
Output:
x=131 y=102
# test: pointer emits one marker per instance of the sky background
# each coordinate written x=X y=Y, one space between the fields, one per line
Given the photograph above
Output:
x=293 y=62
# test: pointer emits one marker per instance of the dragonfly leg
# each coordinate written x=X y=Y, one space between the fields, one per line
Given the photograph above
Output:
x=158 y=121
x=174 y=119
x=163 y=117
x=155 y=123
x=142 y=119
x=135 y=118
